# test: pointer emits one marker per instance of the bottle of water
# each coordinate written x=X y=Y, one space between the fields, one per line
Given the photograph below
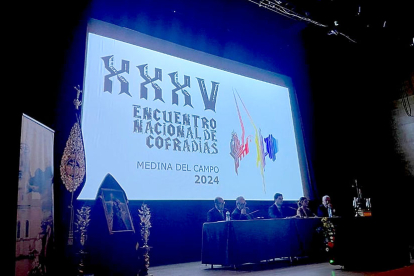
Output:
x=227 y=216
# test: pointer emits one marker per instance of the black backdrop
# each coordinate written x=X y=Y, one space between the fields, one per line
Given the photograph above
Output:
x=344 y=92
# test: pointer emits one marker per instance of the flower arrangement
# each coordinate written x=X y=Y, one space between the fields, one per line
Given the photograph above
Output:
x=145 y=216
x=328 y=231
x=82 y=223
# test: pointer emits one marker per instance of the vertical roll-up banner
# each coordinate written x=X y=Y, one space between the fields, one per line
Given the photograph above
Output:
x=34 y=222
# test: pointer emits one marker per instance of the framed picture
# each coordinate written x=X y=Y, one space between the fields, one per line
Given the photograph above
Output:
x=116 y=211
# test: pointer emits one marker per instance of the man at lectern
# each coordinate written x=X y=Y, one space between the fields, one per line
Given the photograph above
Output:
x=241 y=212
x=218 y=212
x=276 y=210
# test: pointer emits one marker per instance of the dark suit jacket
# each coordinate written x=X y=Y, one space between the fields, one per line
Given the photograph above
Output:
x=322 y=211
x=237 y=215
x=275 y=213
x=214 y=215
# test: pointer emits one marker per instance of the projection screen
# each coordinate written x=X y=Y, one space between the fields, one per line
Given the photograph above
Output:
x=172 y=123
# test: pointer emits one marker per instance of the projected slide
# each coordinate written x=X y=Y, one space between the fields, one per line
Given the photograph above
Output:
x=168 y=125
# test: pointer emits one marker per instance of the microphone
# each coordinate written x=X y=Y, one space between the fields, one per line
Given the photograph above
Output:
x=252 y=212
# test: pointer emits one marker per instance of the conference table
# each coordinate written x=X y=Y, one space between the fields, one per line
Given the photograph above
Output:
x=251 y=241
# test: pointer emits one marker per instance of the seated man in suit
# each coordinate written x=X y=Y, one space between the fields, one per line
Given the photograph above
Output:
x=218 y=212
x=241 y=212
x=325 y=209
x=276 y=210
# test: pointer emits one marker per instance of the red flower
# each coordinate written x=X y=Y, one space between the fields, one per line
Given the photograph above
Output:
x=330 y=244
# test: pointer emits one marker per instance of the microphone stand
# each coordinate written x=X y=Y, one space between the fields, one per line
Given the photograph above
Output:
x=253 y=212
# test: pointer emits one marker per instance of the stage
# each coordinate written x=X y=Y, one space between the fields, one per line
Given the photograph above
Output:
x=276 y=267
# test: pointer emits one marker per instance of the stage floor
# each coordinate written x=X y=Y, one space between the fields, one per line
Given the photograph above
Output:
x=276 y=267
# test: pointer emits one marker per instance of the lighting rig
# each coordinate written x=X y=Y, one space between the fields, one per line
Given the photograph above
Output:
x=347 y=18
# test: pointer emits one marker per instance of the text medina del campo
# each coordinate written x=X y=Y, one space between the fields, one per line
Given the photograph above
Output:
x=166 y=129
x=161 y=166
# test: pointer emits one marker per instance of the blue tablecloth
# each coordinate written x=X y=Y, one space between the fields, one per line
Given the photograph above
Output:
x=250 y=241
